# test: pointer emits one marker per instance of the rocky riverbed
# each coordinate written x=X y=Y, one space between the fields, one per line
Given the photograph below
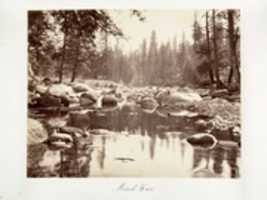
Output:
x=73 y=128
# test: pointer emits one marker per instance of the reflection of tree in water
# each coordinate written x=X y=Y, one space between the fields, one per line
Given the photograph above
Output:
x=149 y=125
x=182 y=145
x=102 y=154
x=126 y=119
x=152 y=145
x=35 y=154
x=218 y=157
x=75 y=162
x=142 y=142
x=200 y=154
x=231 y=157
x=219 y=154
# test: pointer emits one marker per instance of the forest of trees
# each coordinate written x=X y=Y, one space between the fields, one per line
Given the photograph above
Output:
x=70 y=45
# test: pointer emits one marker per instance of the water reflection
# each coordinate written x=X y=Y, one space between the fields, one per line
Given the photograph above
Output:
x=142 y=145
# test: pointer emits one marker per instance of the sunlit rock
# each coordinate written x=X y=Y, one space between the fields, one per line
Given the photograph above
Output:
x=80 y=87
x=167 y=97
x=59 y=136
x=36 y=132
x=63 y=91
x=42 y=89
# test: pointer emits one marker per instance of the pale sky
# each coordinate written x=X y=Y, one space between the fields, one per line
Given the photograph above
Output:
x=166 y=23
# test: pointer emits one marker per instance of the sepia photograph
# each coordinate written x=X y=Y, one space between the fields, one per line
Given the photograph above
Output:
x=133 y=93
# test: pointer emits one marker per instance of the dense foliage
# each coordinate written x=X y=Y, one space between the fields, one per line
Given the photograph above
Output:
x=70 y=44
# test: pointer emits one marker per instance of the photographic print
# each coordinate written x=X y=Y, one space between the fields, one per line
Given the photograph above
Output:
x=134 y=93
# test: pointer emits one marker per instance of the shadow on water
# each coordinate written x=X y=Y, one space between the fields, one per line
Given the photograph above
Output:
x=140 y=144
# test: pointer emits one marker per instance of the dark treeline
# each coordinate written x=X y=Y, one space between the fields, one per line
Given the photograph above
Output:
x=67 y=45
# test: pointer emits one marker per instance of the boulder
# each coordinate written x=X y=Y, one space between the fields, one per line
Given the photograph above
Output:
x=80 y=87
x=47 y=100
x=41 y=89
x=203 y=140
x=148 y=103
x=60 y=145
x=168 y=97
x=36 y=132
x=87 y=99
x=58 y=136
x=109 y=100
x=202 y=124
x=56 y=122
x=64 y=91
x=224 y=112
x=33 y=98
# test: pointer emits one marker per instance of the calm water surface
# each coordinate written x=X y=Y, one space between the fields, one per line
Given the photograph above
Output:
x=139 y=144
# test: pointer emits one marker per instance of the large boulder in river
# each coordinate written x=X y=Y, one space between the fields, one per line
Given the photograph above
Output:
x=171 y=98
x=109 y=100
x=80 y=87
x=47 y=100
x=87 y=99
x=36 y=132
x=41 y=89
x=63 y=91
x=220 y=107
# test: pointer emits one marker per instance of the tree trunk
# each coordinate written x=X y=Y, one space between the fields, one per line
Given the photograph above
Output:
x=230 y=16
x=230 y=77
x=208 y=48
x=61 y=67
x=215 y=51
x=76 y=62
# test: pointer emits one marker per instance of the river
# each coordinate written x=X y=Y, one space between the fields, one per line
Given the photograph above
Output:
x=137 y=144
